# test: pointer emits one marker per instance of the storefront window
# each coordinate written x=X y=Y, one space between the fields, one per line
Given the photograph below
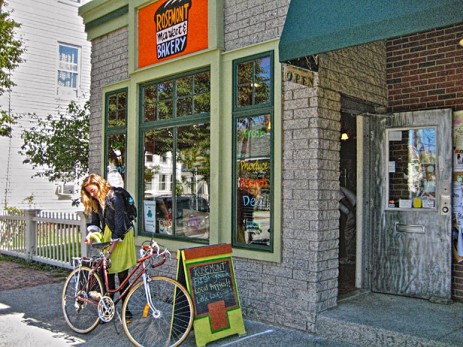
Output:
x=253 y=162
x=412 y=168
x=176 y=167
x=185 y=96
x=115 y=136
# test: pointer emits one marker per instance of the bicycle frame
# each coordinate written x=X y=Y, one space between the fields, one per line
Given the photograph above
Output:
x=102 y=265
x=140 y=264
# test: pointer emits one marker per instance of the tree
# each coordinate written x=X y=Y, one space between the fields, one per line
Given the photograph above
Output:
x=59 y=145
x=11 y=50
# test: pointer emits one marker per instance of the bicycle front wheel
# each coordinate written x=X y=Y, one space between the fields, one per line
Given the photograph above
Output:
x=80 y=312
x=166 y=321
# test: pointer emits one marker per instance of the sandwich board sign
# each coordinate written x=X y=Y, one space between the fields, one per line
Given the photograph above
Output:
x=208 y=274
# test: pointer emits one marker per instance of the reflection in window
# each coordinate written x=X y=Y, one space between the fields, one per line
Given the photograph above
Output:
x=116 y=153
x=253 y=82
x=412 y=168
x=176 y=167
x=253 y=175
x=116 y=135
x=252 y=150
x=68 y=66
x=181 y=97
x=117 y=109
x=176 y=180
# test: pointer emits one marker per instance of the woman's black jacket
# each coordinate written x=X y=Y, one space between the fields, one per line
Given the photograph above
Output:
x=114 y=216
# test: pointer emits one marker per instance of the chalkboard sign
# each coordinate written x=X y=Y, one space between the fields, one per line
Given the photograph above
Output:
x=211 y=282
x=208 y=274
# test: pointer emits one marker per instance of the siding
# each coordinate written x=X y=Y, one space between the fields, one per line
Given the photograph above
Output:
x=44 y=23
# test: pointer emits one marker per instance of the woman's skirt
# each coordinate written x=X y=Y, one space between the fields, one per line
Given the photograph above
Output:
x=124 y=255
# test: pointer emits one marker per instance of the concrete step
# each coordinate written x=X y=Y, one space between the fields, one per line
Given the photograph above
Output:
x=368 y=336
x=370 y=319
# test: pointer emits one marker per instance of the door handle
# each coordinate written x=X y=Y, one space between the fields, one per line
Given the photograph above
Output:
x=409 y=228
x=445 y=203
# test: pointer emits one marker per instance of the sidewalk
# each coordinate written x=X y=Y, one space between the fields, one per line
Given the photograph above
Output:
x=30 y=315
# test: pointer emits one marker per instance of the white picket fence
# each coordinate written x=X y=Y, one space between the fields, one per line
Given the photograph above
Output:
x=48 y=237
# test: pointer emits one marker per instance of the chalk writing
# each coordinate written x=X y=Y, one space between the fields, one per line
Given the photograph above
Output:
x=256 y=165
x=247 y=183
x=212 y=282
x=249 y=201
x=254 y=133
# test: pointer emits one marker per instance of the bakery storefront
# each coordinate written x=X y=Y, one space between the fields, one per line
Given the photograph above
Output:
x=224 y=121
x=190 y=129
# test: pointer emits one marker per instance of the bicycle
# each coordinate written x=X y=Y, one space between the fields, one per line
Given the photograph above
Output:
x=157 y=310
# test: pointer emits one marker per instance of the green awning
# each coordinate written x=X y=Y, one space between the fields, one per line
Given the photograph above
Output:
x=317 y=26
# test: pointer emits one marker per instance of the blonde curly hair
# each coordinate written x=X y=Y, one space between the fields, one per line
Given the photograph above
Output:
x=90 y=203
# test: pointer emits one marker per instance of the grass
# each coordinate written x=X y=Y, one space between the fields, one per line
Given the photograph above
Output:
x=66 y=251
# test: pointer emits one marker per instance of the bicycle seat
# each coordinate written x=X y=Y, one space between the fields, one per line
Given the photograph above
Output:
x=101 y=245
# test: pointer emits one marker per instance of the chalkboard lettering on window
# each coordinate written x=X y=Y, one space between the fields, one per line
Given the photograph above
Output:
x=212 y=282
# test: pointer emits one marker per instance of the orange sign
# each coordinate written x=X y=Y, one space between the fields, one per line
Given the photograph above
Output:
x=171 y=28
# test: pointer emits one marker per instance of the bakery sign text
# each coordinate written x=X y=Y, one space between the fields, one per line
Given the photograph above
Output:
x=171 y=28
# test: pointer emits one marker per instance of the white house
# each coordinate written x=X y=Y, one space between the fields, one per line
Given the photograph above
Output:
x=56 y=71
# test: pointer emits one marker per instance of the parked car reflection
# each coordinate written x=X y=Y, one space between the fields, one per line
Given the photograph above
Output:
x=191 y=217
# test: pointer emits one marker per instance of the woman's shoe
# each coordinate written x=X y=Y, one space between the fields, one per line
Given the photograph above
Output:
x=128 y=316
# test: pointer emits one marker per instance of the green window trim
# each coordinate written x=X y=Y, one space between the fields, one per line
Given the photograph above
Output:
x=253 y=163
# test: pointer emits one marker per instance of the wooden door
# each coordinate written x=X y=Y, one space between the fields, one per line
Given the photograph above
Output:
x=410 y=205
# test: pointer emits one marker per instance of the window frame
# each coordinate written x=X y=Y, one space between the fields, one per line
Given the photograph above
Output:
x=61 y=89
x=252 y=111
x=174 y=123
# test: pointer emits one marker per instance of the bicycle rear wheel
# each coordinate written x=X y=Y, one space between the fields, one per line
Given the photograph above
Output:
x=80 y=312
x=172 y=322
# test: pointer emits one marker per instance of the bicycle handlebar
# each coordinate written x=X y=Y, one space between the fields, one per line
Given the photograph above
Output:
x=146 y=252
x=153 y=248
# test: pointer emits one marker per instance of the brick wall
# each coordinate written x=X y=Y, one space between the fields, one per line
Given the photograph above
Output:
x=425 y=70
x=109 y=65
x=249 y=22
x=357 y=72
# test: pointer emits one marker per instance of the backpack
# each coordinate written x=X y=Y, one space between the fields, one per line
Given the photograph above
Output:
x=130 y=207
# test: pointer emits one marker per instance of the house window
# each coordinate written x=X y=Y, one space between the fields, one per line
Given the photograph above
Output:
x=175 y=126
x=68 y=68
x=252 y=152
x=116 y=134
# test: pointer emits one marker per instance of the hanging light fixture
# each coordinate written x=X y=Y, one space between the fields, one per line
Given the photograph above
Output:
x=344 y=136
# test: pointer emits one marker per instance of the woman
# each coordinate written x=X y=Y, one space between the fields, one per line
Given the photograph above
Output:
x=107 y=211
